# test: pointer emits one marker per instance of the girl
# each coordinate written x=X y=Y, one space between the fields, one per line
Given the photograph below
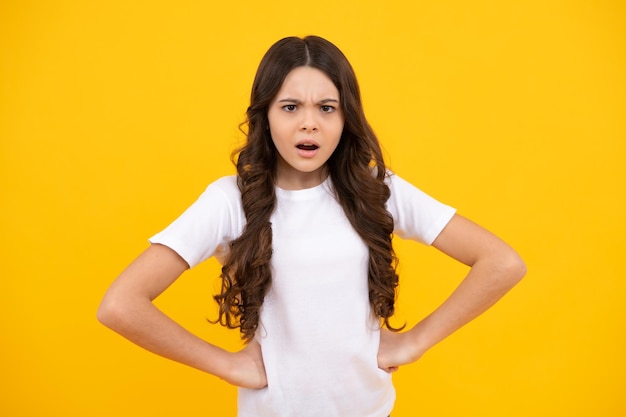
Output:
x=304 y=232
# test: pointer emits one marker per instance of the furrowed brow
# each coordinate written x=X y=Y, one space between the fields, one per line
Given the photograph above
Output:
x=290 y=100
x=296 y=101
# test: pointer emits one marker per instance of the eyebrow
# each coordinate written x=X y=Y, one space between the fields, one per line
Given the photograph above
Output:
x=296 y=101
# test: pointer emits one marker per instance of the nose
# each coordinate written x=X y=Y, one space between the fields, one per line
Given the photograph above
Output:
x=309 y=124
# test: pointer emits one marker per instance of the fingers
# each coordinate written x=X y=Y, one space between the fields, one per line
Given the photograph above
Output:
x=248 y=370
x=390 y=369
x=391 y=351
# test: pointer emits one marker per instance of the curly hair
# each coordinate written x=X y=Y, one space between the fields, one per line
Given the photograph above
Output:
x=357 y=171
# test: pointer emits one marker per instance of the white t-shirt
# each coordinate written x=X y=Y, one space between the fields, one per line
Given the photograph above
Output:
x=317 y=332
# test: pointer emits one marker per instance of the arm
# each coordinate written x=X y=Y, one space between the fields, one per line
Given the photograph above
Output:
x=127 y=309
x=495 y=269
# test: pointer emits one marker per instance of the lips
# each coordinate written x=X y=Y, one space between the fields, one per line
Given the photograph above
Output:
x=307 y=148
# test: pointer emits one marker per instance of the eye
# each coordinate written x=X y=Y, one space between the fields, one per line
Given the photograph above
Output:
x=327 y=109
x=290 y=108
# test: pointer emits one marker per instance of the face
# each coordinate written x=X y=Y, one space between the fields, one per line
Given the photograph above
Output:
x=306 y=123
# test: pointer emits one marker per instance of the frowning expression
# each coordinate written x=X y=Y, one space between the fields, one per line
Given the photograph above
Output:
x=306 y=123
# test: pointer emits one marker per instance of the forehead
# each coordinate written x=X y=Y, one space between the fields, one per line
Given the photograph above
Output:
x=308 y=81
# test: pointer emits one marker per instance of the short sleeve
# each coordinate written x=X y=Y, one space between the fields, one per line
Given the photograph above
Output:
x=417 y=216
x=207 y=226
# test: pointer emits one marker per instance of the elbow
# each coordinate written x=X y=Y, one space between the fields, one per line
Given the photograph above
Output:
x=513 y=268
x=110 y=312
x=106 y=312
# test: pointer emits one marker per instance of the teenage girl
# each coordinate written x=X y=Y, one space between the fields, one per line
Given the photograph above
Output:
x=304 y=232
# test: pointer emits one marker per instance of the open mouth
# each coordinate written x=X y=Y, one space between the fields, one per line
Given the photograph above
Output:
x=307 y=147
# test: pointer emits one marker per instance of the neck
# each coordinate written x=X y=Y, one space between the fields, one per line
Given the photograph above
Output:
x=288 y=178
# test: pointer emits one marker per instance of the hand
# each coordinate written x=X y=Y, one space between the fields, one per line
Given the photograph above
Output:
x=396 y=349
x=247 y=369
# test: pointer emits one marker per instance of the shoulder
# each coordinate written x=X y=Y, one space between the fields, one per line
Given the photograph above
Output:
x=403 y=191
x=396 y=182
x=402 y=188
x=224 y=188
x=205 y=228
x=221 y=199
x=417 y=215
x=227 y=184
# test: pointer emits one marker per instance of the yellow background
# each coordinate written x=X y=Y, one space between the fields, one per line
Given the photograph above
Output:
x=115 y=115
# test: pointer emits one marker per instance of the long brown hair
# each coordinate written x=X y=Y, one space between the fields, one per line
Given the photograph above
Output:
x=358 y=175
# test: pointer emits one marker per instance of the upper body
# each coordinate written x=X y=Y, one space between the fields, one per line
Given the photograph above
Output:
x=318 y=336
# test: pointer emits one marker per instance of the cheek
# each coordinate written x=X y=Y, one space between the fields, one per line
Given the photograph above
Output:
x=341 y=123
x=273 y=132
x=339 y=129
x=277 y=126
x=276 y=134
